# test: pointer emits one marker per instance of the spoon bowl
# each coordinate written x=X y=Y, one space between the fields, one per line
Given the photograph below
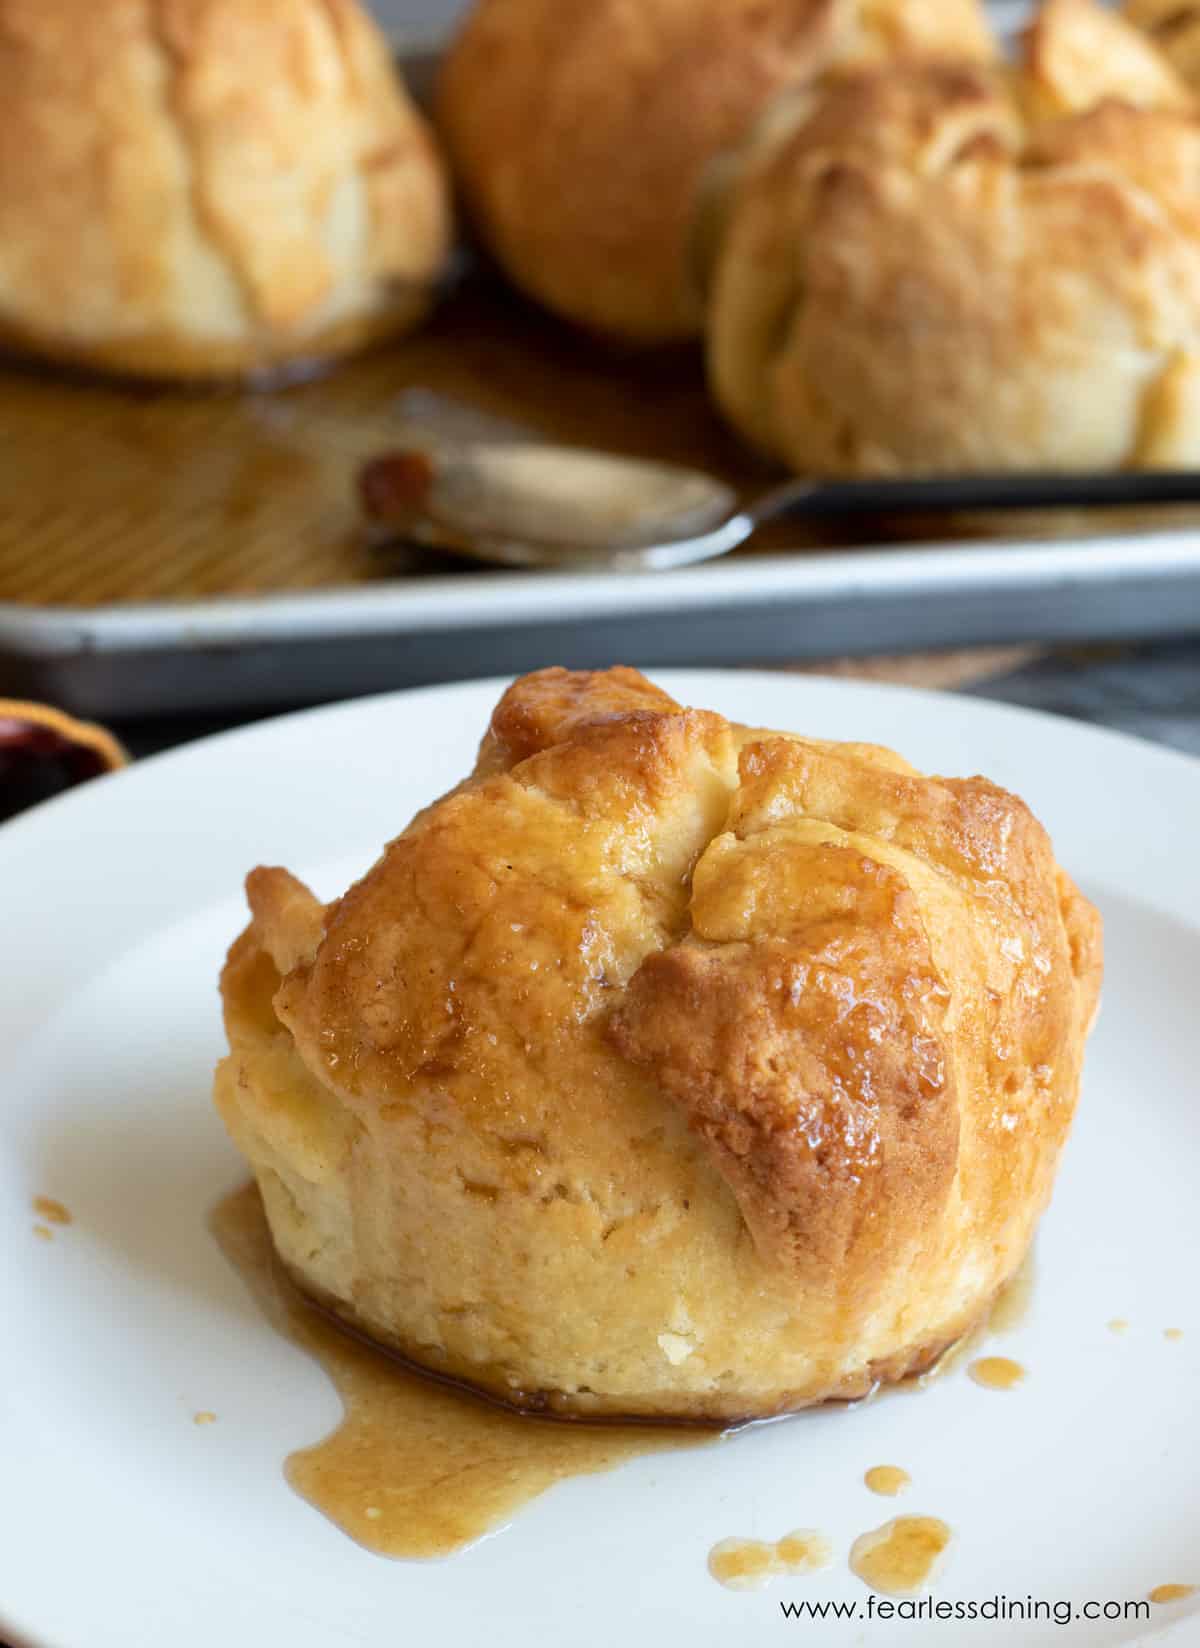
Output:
x=547 y=506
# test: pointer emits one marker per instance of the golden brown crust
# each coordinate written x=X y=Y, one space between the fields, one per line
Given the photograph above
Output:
x=812 y=1062
x=938 y=269
x=1174 y=27
x=544 y=709
x=806 y=1029
x=489 y=855
x=203 y=187
x=581 y=130
x=1085 y=935
x=1078 y=54
x=258 y=359
x=288 y=921
x=666 y=1067
x=908 y=28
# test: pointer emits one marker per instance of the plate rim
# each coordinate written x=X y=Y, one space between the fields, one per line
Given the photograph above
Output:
x=1133 y=745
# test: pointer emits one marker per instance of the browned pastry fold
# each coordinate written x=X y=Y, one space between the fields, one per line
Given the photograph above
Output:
x=666 y=1067
x=801 y=1100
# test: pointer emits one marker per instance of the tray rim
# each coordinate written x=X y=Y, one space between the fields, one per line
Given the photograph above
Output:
x=873 y=573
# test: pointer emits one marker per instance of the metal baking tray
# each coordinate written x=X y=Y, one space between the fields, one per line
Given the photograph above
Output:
x=162 y=657
x=164 y=551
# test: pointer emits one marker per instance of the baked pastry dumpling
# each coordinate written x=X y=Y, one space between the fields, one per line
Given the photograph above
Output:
x=207 y=188
x=581 y=130
x=934 y=268
x=1174 y=26
x=666 y=1067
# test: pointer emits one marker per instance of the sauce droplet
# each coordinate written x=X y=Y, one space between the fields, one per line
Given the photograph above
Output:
x=43 y=1233
x=889 y=1480
x=204 y=1417
x=53 y=1212
x=749 y=1564
x=996 y=1372
x=902 y=1557
x=1118 y=1325
x=743 y=1564
x=805 y=1551
x=416 y=1468
x=1173 y=1334
x=1171 y=1593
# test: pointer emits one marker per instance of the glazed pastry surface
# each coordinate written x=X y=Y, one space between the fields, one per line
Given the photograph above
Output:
x=666 y=1067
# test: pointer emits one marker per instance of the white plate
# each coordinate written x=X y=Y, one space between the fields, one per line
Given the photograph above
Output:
x=122 y=1523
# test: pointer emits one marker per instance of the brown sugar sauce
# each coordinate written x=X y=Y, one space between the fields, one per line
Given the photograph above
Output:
x=902 y=1557
x=749 y=1564
x=51 y=1210
x=416 y=1468
x=888 y=1480
x=997 y=1372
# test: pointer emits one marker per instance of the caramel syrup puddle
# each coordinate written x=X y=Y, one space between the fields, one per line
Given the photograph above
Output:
x=996 y=1373
x=902 y=1557
x=51 y=1210
x=416 y=1469
x=749 y=1564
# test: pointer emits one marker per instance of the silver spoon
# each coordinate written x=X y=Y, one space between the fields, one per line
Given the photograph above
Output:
x=528 y=505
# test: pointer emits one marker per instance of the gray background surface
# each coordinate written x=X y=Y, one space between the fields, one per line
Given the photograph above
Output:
x=420 y=17
x=424 y=18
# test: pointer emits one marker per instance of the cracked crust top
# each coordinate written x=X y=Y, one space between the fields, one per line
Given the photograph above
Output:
x=666 y=1066
x=196 y=187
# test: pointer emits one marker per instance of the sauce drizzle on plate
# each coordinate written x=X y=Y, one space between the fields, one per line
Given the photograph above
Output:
x=416 y=1468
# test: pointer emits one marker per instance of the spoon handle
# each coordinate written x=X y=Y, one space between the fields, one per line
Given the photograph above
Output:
x=958 y=492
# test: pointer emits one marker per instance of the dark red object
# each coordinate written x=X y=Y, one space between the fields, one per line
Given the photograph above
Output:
x=43 y=752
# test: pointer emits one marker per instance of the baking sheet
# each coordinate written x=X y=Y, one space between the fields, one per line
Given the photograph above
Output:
x=165 y=550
